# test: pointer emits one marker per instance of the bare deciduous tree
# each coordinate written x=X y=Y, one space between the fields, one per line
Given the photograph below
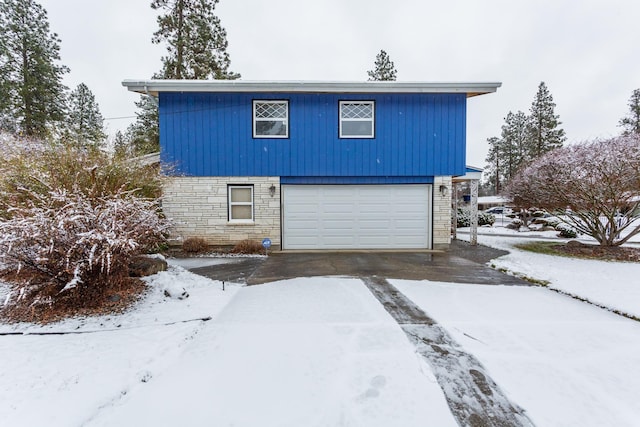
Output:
x=594 y=187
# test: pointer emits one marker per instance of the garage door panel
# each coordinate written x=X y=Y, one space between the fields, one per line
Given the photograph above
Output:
x=356 y=216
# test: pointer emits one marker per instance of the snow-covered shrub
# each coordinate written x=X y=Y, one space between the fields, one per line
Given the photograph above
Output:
x=70 y=240
x=590 y=185
x=551 y=222
x=515 y=224
x=70 y=220
x=41 y=167
x=464 y=218
x=566 y=231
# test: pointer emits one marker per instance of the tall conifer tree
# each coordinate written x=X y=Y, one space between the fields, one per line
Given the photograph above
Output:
x=196 y=49
x=143 y=134
x=32 y=99
x=84 y=124
x=195 y=39
x=631 y=122
x=384 y=68
x=513 y=147
x=543 y=131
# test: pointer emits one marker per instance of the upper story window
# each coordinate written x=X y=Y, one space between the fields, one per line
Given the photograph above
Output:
x=357 y=119
x=270 y=119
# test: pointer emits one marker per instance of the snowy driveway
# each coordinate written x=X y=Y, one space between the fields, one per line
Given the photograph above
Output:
x=304 y=352
x=319 y=352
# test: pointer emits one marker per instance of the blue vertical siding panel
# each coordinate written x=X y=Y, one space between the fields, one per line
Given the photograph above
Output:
x=205 y=104
x=462 y=129
x=432 y=133
x=414 y=153
x=385 y=110
x=415 y=135
x=391 y=148
x=295 y=131
x=406 y=128
x=444 y=163
x=197 y=134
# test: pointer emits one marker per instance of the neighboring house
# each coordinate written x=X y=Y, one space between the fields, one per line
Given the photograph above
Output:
x=313 y=165
x=486 y=202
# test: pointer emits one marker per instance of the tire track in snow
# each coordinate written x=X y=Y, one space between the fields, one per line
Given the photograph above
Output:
x=473 y=397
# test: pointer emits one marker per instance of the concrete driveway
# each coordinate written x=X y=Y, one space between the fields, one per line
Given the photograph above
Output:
x=461 y=264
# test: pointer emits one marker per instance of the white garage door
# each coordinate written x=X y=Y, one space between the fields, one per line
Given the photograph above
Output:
x=356 y=216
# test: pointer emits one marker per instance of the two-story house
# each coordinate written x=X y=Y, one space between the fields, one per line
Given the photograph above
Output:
x=313 y=165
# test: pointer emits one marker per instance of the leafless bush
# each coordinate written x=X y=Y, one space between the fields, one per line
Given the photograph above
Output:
x=195 y=245
x=247 y=247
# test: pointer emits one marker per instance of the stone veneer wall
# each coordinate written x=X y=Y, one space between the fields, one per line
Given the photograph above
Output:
x=199 y=205
x=441 y=213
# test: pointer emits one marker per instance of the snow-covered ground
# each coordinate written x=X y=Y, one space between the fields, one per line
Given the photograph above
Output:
x=324 y=352
x=566 y=362
x=312 y=352
x=612 y=284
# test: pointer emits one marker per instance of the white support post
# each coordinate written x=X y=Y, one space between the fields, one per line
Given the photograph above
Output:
x=474 y=212
x=454 y=217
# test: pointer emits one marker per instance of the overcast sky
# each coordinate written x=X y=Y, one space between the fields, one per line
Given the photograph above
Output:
x=585 y=51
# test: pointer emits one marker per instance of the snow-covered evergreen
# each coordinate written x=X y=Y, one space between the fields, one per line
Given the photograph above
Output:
x=32 y=96
x=84 y=124
x=543 y=128
x=384 y=68
x=631 y=122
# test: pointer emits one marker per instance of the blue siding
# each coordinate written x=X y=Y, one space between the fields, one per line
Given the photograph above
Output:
x=416 y=135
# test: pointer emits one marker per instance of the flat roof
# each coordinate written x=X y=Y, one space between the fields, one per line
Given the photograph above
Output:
x=153 y=87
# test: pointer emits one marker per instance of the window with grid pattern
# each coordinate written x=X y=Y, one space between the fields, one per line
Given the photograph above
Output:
x=240 y=203
x=357 y=119
x=270 y=119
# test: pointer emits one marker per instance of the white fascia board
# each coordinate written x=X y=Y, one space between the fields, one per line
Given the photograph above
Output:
x=469 y=176
x=153 y=87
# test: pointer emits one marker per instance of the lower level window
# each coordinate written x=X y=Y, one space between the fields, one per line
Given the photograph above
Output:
x=241 y=203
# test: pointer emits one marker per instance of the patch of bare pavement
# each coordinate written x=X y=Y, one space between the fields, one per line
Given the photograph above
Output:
x=473 y=397
x=461 y=264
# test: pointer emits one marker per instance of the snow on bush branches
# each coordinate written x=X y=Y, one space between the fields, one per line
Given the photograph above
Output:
x=72 y=239
x=594 y=187
x=71 y=218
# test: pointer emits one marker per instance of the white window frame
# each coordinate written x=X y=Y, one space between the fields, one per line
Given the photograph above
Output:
x=371 y=119
x=269 y=119
x=230 y=189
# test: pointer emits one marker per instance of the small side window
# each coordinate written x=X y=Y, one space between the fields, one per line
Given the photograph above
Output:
x=240 y=203
x=270 y=119
x=357 y=119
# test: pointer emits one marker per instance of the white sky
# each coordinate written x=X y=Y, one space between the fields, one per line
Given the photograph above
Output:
x=586 y=52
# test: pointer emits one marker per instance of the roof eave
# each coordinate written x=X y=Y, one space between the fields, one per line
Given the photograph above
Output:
x=153 y=87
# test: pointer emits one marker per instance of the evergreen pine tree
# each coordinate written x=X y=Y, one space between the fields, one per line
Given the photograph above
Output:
x=384 y=69
x=120 y=144
x=631 y=123
x=84 y=124
x=197 y=49
x=143 y=134
x=493 y=173
x=32 y=99
x=543 y=131
x=513 y=147
x=196 y=41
